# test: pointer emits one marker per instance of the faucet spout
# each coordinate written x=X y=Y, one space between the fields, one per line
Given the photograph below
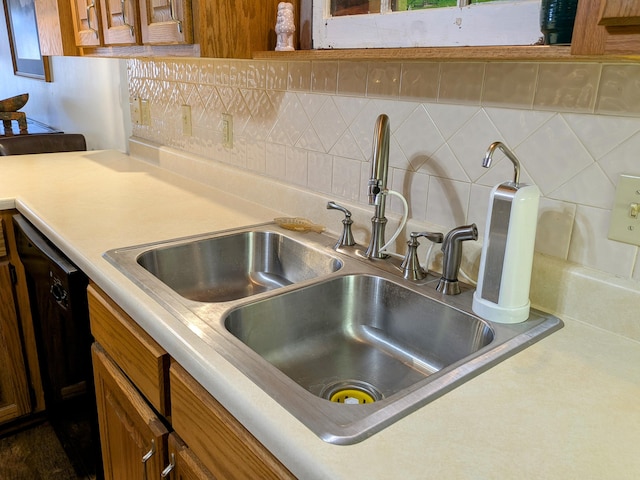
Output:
x=452 y=256
x=378 y=185
x=486 y=162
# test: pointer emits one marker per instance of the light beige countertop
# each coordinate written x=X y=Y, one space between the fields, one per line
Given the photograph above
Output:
x=567 y=407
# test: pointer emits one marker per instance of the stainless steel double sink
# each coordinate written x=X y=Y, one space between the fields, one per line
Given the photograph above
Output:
x=344 y=345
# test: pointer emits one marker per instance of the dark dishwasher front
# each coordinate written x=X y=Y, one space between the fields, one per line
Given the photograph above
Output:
x=58 y=300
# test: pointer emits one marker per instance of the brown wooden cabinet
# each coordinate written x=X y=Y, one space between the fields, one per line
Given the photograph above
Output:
x=606 y=27
x=20 y=384
x=222 y=444
x=166 y=22
x=120 y=22
x=132 y=22
x=619 y=13
x=133 y=438
x=55 y=27
x=130 y=371
x=86 y=22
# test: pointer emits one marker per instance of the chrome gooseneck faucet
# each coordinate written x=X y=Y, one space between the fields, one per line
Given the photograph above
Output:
x=486 y=161
x=378 y=185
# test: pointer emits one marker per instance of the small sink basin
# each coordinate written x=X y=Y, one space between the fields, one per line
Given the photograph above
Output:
x=357 y=333
x=234 y=266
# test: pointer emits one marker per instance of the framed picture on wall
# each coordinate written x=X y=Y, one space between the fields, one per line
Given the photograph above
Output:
x=23 y=40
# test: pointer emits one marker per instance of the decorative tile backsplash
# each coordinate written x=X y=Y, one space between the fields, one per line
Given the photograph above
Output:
x=574 y=126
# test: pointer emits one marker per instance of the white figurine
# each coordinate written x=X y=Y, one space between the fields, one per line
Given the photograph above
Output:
x=285 y=27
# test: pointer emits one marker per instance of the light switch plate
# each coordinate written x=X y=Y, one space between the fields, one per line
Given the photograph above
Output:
x=227 y=130
x=145 y=112
x=134 y=106
x=625 y=217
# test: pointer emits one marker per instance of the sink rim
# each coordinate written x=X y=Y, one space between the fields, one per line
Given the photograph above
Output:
x=334 y=423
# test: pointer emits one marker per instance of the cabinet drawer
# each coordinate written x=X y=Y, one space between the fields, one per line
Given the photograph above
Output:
x=221 y=443
x=139 y=356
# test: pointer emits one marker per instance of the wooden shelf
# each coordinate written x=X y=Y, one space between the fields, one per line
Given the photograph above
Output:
x=534 y=53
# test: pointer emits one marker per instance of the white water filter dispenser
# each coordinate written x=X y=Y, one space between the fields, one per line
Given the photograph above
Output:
x=504 y=278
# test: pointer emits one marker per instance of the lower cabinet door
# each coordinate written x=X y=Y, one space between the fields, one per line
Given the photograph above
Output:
x=14 y=388
x=132 y=436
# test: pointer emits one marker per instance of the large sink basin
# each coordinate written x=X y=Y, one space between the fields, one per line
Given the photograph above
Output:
x=233 y=265
x=358 y=333
x=352 y=354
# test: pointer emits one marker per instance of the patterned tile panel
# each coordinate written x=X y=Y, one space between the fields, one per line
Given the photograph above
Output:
x=574 y=126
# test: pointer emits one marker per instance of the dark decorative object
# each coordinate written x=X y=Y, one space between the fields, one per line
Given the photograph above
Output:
x=9 y=111
x=556 y=20
x=13 y=104
x=23 y=40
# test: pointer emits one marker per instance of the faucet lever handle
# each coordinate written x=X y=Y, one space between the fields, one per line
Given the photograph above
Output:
x=435 y=237
x=411 y=269
x=346 y=239
x=334 y=206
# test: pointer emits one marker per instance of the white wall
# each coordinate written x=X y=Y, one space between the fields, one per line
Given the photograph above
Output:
x=87 y=95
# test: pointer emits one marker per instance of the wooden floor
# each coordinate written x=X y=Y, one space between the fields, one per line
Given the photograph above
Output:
x=37 y=454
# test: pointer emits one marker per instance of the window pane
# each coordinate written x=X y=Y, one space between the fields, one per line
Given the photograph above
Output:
x=360 y=7
x=354 y=7
x=422 y=23
x=420 y=4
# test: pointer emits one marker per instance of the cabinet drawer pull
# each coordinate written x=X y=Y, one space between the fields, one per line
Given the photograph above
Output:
x=165 y=473
x=89 y=7
x=172 y=10
x=147 y=456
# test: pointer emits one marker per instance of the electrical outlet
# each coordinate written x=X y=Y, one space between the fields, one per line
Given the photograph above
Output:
x=145 y=112
x=625 y=215
x=134 y=106
x=186 y=120
x=227 y=130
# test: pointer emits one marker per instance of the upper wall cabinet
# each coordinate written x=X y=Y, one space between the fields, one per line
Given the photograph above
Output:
x=86 y=22
x=617 y=13
x=132 y=22
x=55 y=29
x=120 y=22
x=606 y=27
x=166 y=21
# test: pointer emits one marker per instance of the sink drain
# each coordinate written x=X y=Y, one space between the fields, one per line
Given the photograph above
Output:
x=351 y=392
